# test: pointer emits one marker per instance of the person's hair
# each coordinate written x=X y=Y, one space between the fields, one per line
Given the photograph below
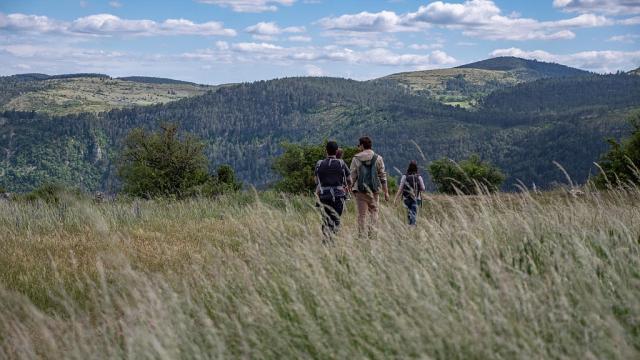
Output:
x=339 y=153
x=365 y=141
x=331 y=147
x=413 y=168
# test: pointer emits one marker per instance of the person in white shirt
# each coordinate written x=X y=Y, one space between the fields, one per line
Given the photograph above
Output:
x=411 y=187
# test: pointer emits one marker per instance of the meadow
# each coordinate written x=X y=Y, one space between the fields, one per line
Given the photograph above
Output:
x=504 y=276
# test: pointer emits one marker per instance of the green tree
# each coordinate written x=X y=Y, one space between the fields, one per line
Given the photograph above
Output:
x=470 y=176
x=621 y=164
x=297 y=164
x=162 y=163
x=224 y=181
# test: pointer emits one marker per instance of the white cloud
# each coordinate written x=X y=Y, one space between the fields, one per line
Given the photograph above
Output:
x=30 y=23
x=313 y=70
x=253 y=6
x=603 y=61
x=626 y=38
x=107 y=24
x=263 y=48
x=300 y=38
x=271 y=28
x=477 y=18
x=115 y=4
x=384 y=21
x=253 y=52
x=613 y=7
x=630 y=21
x=426 y=46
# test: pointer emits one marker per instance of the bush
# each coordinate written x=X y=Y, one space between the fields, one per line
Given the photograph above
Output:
x=297 y=165
x=161 y=164
x=471 y=176
x=223 y=182
x=621 y=164
x=51 y=193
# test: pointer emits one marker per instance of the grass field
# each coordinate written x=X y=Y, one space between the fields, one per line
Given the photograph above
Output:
x=246 y=276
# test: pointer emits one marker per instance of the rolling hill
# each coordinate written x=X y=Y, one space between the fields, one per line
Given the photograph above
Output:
x=466 y=84
x=75 y=93
x=522 y=128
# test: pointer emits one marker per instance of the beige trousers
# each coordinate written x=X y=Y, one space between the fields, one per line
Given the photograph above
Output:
x=367 y=204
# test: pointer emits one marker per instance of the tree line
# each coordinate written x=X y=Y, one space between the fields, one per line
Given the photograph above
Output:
x=244 y=126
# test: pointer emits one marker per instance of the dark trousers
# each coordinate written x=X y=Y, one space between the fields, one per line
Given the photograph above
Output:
x=331 y=212
x=412 y=209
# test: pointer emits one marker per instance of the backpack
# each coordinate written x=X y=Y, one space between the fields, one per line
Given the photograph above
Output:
x=411 y=188
x=368 y=180
x=331 y=180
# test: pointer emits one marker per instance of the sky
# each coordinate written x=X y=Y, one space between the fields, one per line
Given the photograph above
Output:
x=226 y=41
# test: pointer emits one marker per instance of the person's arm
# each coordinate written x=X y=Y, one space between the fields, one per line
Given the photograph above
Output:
x=347 y=175
x=354 y=171
x=422 y=188
x=382 y=175
x=315 y=177
x=402 y=182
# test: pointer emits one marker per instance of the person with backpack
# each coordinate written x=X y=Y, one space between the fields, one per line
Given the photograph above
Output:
x=333 y=181
x=369 y=180
x=411 y=186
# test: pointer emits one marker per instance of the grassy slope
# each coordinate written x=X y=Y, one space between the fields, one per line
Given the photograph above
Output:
x=435 y=82
x=92 y=94
x=506 y=276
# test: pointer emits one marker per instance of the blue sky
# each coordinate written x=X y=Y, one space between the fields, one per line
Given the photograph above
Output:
x=222 y=41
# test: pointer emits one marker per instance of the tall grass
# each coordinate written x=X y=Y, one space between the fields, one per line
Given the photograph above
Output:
x=495 y=276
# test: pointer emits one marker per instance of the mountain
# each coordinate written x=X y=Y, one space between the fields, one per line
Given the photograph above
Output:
x=525 y=69
x=75 y=93
x=635 y=72
x=521 y=128
x=465 y=85
x=154 y=80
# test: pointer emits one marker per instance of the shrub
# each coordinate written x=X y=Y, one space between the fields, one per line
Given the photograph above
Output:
x=223 y=182
x=470 y=176
x=297 y=164
x=51 y=193
x=621 y=164
x=162 y=164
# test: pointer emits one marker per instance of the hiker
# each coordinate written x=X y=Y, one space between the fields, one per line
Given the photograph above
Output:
x=333 y=180
x=369 y=179
x=411 y=186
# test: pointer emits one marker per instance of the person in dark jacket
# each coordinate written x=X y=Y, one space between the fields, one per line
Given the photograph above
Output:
x=411 y=187
x=333 y=180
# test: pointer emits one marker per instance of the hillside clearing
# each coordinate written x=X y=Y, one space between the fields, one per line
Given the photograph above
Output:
x=94 y=94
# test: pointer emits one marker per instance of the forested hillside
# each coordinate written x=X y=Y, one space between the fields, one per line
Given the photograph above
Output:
x=522 y=129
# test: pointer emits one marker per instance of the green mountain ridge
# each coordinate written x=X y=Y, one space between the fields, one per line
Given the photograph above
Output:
x=522 y=130
x=522 y=126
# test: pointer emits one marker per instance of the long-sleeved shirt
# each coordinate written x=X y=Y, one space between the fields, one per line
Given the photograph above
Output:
x=367 y=155
x=403 y=183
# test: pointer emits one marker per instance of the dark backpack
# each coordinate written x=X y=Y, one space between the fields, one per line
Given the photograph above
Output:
x=332 y=178
x=368 y=180
x=411 y=188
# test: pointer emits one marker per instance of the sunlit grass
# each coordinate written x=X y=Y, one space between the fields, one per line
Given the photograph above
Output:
x=502 y=276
